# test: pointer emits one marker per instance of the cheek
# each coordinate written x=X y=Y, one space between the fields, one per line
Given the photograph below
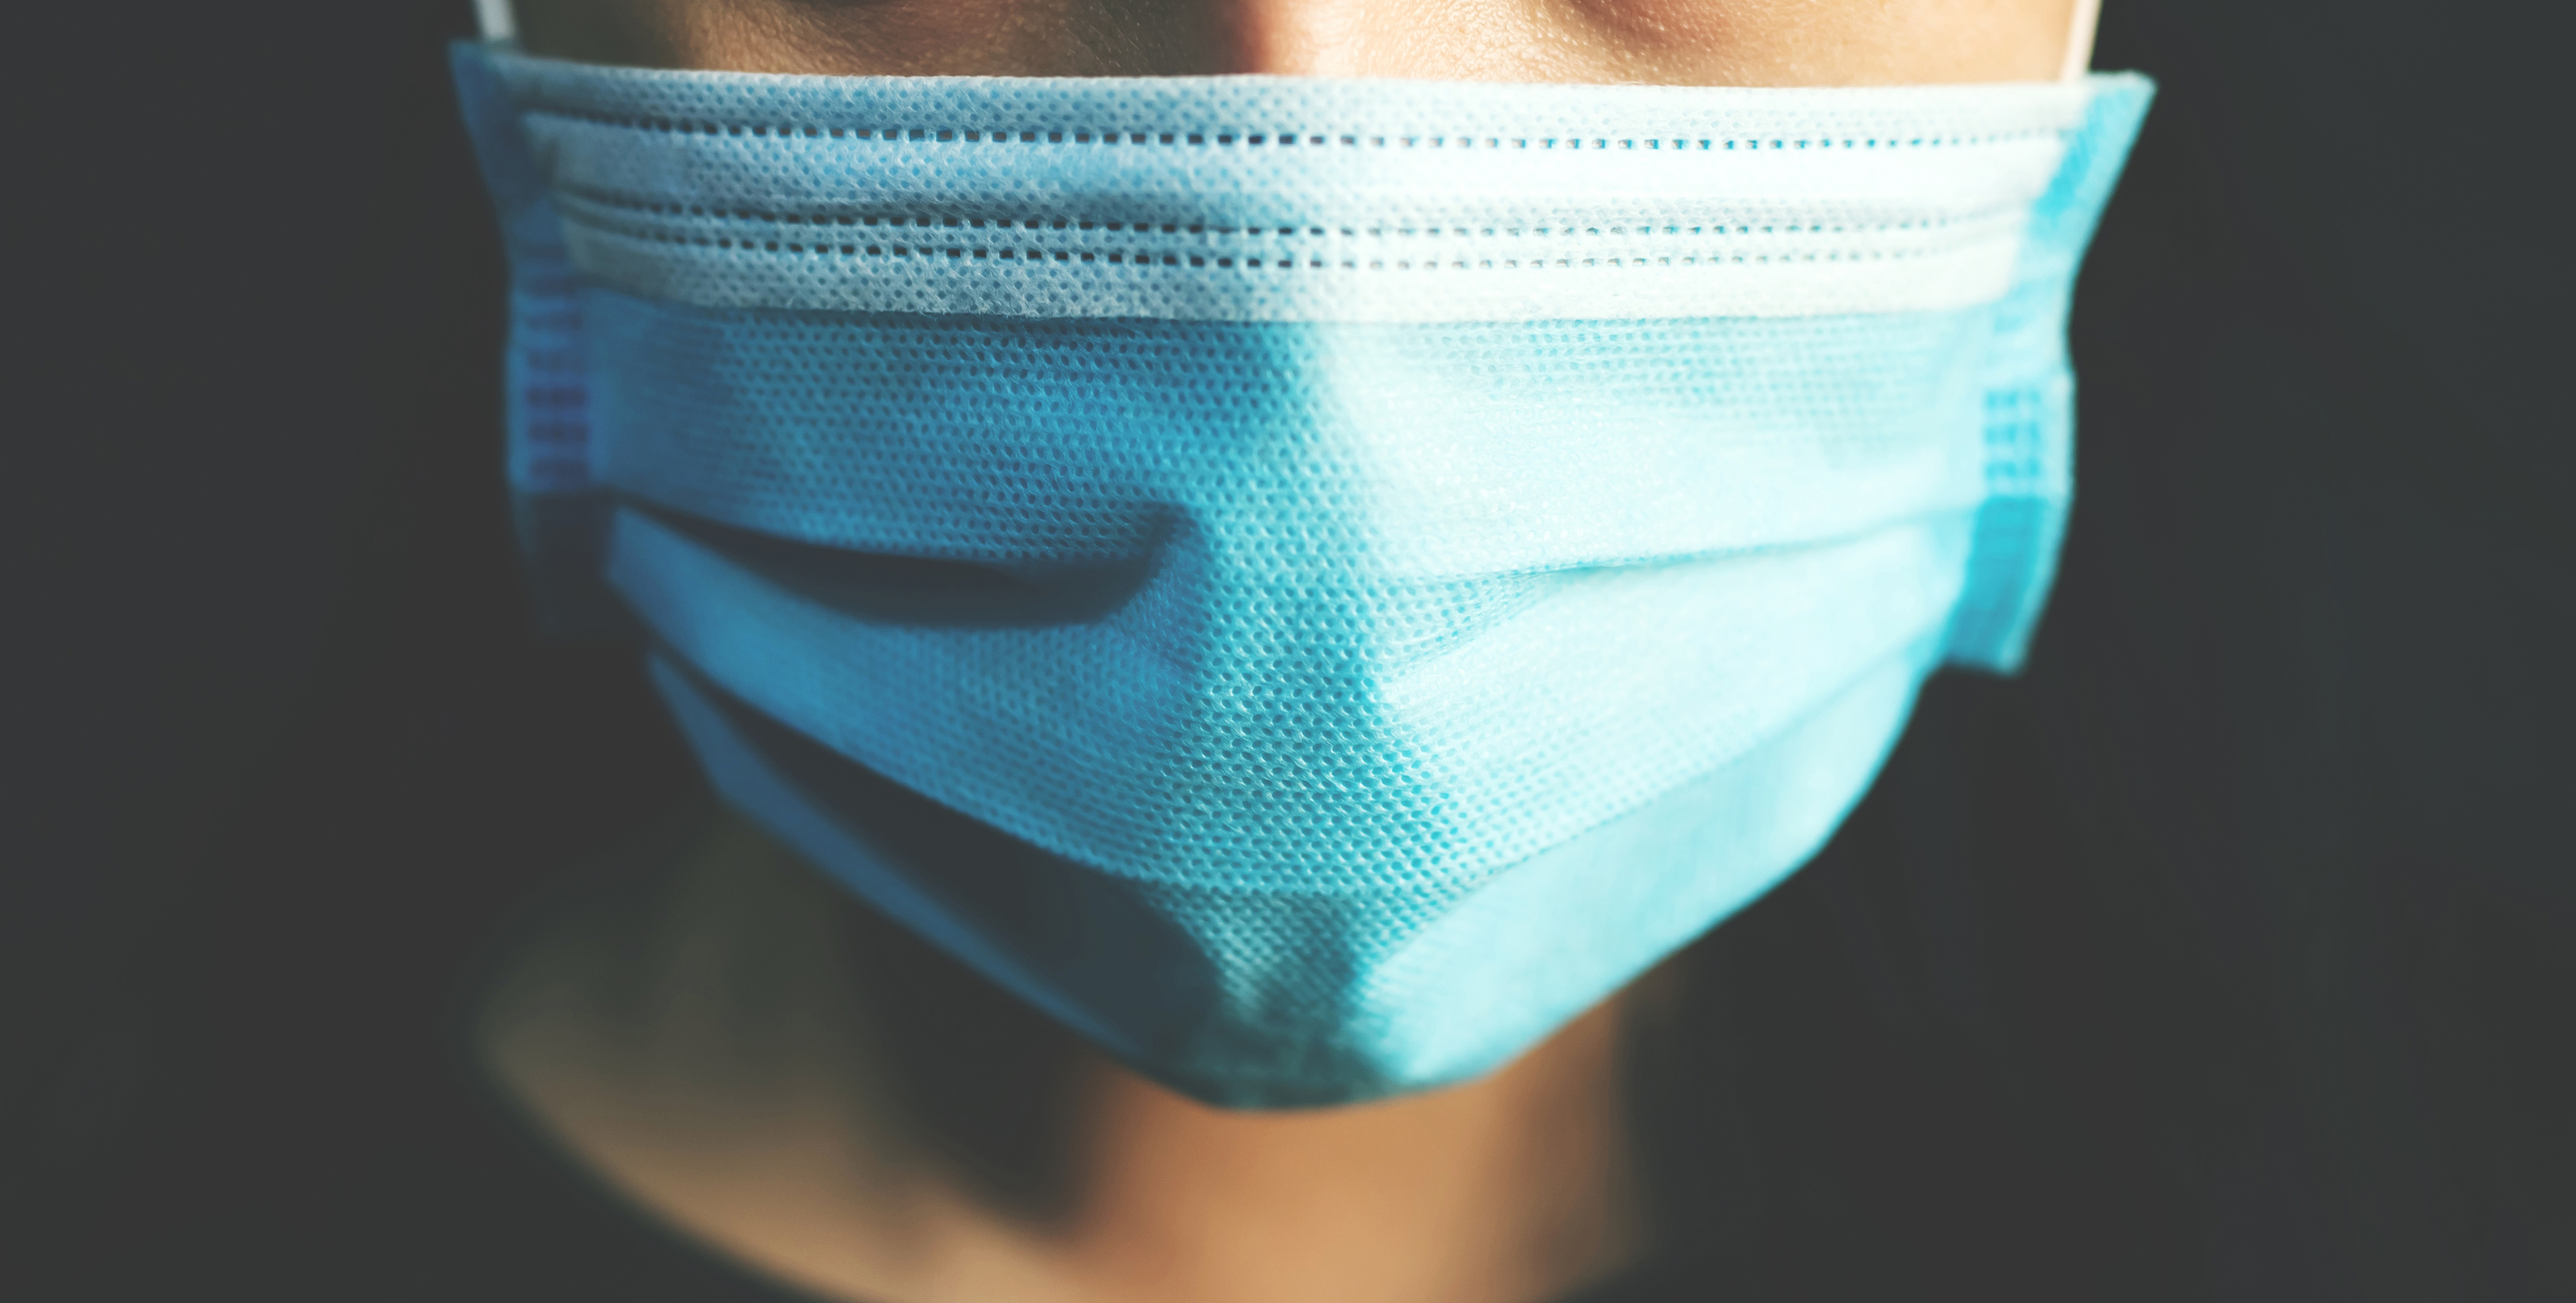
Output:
x=912 y=38
x=1825 y=42
x=826 y=37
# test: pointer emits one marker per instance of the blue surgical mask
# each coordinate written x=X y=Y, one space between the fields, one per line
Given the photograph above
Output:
x=1312 y=583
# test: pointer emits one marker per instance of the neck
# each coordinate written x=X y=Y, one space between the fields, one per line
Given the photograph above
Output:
x=710 y=1039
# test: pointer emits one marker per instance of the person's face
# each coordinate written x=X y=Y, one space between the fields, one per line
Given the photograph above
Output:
x=1687 y=42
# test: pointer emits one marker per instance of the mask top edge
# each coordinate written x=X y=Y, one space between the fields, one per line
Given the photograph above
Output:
x=518 y=64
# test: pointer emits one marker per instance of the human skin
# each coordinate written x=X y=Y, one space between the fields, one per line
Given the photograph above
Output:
x=700 y=1049
x=1676 y=42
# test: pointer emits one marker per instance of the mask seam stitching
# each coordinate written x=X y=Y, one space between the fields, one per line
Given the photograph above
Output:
x=664 y=209
x=1243 y=140
x=1126 y=258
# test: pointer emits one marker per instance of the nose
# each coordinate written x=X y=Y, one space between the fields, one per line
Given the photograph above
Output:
x=1309 y=38
x=1498 y=40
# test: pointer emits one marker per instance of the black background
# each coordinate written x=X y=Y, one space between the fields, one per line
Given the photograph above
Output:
x=2224 y=954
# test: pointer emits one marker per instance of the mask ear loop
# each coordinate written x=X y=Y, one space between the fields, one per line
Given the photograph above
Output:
x=501 y=23
x=2079 y=37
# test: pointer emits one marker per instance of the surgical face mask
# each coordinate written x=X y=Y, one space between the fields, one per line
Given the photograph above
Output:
x=1312 y=583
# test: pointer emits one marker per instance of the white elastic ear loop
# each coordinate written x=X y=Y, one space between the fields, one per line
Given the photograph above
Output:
x=500 y=24
x=2079 y=38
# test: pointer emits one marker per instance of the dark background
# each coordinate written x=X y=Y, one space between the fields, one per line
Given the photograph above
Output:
x=2224 y=954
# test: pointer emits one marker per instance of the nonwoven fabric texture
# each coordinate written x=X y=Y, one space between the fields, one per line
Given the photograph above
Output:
x=1313 y=583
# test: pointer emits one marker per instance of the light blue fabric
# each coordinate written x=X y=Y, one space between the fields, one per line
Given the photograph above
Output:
x=1312 y=583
